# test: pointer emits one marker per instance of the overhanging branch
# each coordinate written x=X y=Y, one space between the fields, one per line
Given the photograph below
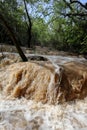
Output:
x=76 y=1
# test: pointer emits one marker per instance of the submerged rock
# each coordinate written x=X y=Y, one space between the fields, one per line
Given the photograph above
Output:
x=44 y=83
x=37 y=58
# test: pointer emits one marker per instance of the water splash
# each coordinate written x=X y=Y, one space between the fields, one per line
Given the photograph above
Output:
x=23 y=114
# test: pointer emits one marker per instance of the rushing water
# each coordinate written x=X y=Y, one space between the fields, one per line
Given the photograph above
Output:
x=23 y=114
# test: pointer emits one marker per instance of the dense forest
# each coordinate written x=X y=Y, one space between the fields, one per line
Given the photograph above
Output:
x=59 y=24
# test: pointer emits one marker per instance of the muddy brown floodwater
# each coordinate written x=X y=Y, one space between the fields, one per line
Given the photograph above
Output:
x=43 y=95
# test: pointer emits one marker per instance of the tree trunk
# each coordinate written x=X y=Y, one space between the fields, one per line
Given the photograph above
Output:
x=29 y=26
x=13 y=37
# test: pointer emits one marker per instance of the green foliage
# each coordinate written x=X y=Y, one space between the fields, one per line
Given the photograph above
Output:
x=75 y=37
x=54 y=23
x=69 y=27
x=40 y=31
x=13 y=13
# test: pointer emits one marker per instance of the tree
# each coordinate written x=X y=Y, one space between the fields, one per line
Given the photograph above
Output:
x=11 y=31
x=74 y=31
x=78 y=14
x=13 y=37
x=60 y=24
x=29 y=25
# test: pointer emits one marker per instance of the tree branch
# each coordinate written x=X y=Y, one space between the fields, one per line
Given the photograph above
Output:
x=68 y=4
x=76 y=1
x=30 y=24
x=74 y=14
x=13 y=37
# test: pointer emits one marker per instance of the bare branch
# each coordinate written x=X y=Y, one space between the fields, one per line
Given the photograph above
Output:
x=68 y=4
x=76 y=1
x=75 y=14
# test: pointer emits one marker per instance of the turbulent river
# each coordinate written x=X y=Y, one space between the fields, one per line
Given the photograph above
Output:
x=21 y=113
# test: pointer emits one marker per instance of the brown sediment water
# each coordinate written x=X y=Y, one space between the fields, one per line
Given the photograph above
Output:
x=30 y=80
x=44 y=82
x=43 y=95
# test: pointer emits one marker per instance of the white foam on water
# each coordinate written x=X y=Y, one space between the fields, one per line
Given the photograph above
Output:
x=21 y=114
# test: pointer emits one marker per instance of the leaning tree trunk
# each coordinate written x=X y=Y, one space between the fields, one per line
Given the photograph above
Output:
x=13 y=37
x=29 y=25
